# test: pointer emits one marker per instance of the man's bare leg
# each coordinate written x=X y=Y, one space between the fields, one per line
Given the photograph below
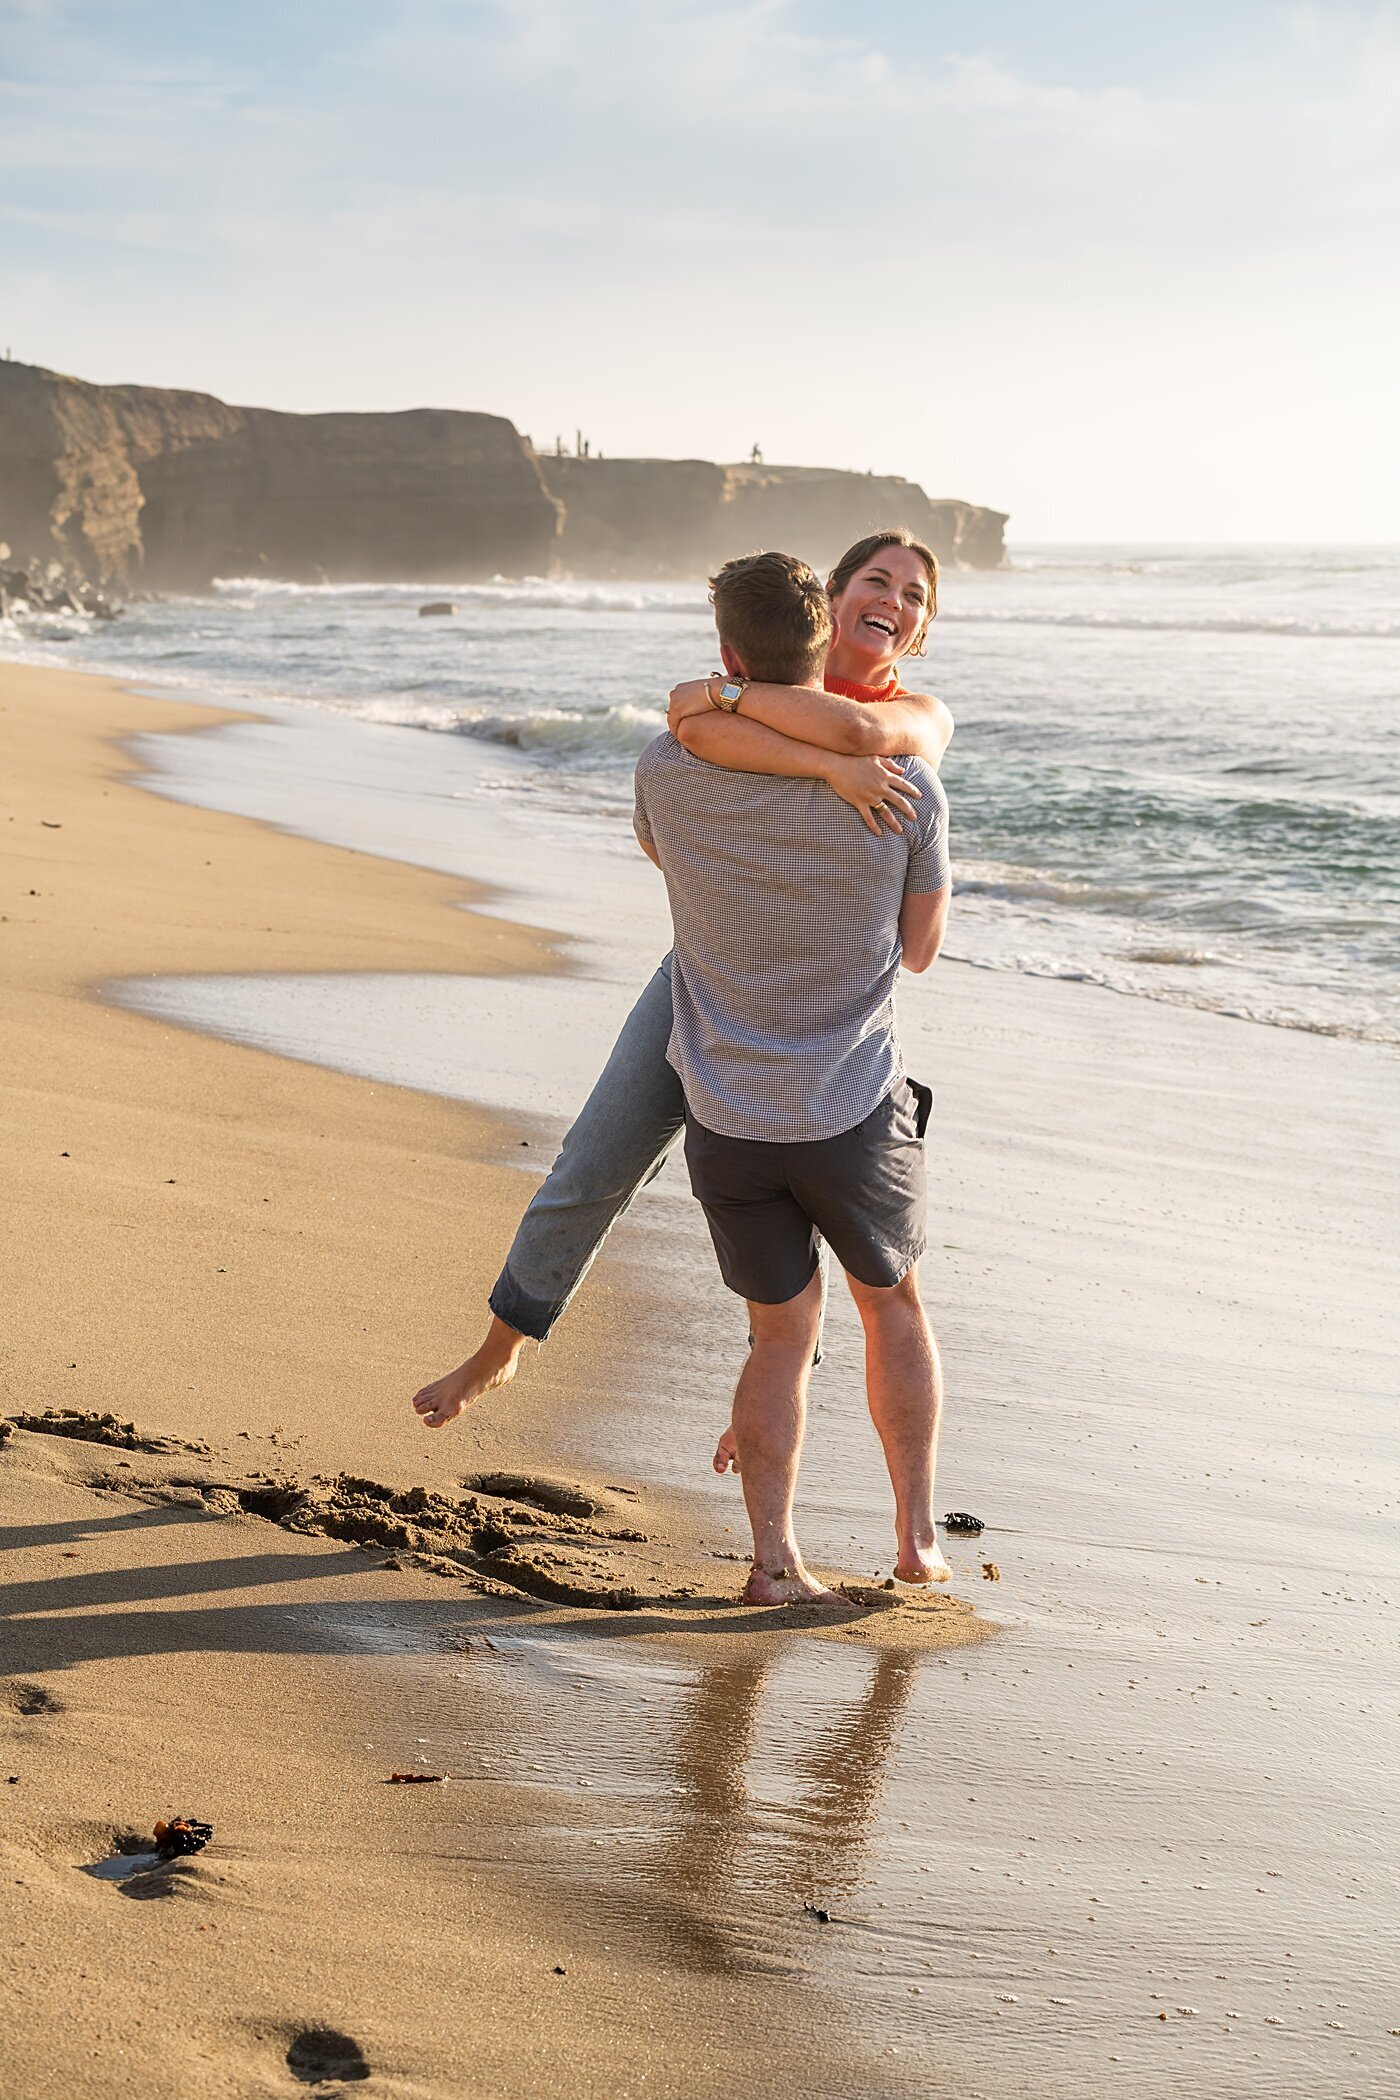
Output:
x=904 y=1387
x=770 y=1415
x=494 y=1364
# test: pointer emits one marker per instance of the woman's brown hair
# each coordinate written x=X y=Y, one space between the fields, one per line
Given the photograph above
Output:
x=855 y=558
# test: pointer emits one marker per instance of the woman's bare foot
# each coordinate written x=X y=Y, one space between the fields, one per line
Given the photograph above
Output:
x=726 y=1458
x=493 y=1365
x=792 y=1585
x=920 y=1560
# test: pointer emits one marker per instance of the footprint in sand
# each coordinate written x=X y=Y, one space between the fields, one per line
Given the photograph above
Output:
x=87 y=1428
x=552 y=1495
x=29 y=1699
x=323 y=2056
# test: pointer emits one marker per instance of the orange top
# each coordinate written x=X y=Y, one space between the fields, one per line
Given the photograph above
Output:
x=849 y=690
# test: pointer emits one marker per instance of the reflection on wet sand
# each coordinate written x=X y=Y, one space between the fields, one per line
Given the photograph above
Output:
x=779 y=1795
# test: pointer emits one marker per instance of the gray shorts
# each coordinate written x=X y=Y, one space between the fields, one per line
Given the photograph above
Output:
x=863 y=1192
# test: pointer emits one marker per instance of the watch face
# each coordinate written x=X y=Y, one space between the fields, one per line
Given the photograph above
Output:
x=731 y=691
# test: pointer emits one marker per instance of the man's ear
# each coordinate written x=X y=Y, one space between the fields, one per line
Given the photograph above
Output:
x=731 y=662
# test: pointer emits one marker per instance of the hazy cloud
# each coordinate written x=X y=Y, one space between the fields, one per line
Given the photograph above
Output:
x=938 y=238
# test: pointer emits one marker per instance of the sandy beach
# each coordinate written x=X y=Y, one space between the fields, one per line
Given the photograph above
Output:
x=1160 y=1276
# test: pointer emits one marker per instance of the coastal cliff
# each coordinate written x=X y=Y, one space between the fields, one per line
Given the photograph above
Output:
x=148 y=486
x=636 y=517
x=824 y=509
x=160 y=489
x=681 y=517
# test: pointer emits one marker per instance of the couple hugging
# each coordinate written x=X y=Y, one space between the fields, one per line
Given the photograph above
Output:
x=795 y=810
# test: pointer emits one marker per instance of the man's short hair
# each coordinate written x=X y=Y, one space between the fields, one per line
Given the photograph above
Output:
x=774 y=613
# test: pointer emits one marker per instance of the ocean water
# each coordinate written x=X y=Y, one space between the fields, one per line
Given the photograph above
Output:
x=1177 y=771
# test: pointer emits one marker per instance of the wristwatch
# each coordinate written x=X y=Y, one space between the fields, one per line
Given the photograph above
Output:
x=729 y=695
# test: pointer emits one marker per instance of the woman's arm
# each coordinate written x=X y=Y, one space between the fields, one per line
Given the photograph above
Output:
x=875 y=788
x=916 y=725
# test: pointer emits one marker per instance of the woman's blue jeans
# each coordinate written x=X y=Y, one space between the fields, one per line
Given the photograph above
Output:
x=619 y=1143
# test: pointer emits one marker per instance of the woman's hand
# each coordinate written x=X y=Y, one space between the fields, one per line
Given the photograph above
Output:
x=692 y=698
x=876 y=789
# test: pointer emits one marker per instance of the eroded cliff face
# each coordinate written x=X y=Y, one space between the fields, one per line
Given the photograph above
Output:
x=820 y=511
x=148 y=486
x=70 y=458
x=682 y=517
x=169 y=490
x=427 y=495
x=636 y=517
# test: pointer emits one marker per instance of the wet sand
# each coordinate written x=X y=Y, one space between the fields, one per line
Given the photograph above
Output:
x=259 y=1259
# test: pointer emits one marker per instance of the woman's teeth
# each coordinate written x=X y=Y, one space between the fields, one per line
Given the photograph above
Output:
x=885 y=627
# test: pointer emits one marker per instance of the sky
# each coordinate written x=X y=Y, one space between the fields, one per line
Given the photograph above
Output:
x=1128 y=270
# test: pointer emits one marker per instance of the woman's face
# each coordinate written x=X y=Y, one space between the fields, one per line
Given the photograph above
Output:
x=883 y=606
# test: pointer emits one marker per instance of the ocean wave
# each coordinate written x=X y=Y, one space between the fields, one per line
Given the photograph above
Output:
x=1158 y=623
x=561 y=594
x=609 y=736
x=45 y=621
x=1171 y=958
x=534 y=592
x=1240 y=1003
x=603 y=737
x=1010 y=885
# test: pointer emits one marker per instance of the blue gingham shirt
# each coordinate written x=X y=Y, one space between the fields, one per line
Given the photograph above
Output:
x=786 y=914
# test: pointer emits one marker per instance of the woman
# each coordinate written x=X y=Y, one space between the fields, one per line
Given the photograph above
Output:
x=884 y=594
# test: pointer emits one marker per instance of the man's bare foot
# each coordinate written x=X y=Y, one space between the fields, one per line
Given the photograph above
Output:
x=493 y=1365
x=787 y=1586
x=920 y=1560
x=726 y=1458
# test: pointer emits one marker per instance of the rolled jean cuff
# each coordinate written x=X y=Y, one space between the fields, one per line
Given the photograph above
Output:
x=531 y=1316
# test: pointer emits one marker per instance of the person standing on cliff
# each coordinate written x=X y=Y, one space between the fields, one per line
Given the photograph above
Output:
x=791 y=925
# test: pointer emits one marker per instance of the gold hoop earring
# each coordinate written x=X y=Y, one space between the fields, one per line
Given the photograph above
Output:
x=918 y=648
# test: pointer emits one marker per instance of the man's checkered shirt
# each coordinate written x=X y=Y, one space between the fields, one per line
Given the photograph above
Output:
x=786 y=911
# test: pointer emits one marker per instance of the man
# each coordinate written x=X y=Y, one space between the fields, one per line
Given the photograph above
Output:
x=792 y=921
